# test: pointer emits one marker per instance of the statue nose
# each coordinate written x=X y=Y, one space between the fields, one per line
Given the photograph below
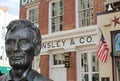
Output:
x=15 y=47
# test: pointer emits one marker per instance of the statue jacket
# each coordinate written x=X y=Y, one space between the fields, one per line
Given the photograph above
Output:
x=32 y=76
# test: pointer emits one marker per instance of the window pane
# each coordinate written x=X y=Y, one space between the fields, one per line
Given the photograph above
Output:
x=95 y=77
x=33 y=15
x=85 y=12
x=61 y=7
x=89 y=67
x=0 y=57
x=53 y=9
x=57 y=15
x=95 y=64
x=84 y=64
x=58 y=59
x=85 y=77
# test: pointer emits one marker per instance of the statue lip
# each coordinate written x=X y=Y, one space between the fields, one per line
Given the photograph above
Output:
x=17 y=57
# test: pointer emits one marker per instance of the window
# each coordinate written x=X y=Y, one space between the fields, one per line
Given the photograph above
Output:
x=1 y=52
x=85 y=12
x=3 y=33
x=58 y=59
x=89 y=67
x=56 y=18
x=33 y=15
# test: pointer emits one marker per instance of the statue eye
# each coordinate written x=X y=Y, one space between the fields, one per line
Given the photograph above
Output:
x=24 y=44
x=10 y=42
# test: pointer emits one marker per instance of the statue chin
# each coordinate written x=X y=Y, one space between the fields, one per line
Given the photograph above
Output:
x=19 y=64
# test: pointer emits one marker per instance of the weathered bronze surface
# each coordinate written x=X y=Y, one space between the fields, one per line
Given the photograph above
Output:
x=22 y=43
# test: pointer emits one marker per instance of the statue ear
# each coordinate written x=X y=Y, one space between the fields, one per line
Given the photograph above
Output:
x=37 y=49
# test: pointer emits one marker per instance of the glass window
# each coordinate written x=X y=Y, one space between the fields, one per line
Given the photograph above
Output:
x=57 y=16
x=58 y=59
x=95 y=67
x=2 y=52
x=84 y=63
x=33 y=15
x=85 y=11
x=3 y=33
x=117 y=69
x=0 y=57
x=89 y=66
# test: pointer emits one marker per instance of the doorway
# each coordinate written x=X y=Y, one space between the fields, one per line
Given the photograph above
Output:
x=117 y=70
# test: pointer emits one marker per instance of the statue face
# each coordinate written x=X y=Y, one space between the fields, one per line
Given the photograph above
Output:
x=19 y=47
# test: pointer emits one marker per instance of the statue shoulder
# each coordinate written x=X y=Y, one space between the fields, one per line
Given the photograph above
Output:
x=40 y=77
x=4 y=77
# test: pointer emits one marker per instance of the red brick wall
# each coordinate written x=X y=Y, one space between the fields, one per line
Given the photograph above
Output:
x=44 y=65
x=23 y=12
x=98 y=7
x=71 y=72
x=69 y=14
x=43 y=16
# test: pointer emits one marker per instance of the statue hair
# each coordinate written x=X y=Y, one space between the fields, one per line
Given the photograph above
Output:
x=19 y=24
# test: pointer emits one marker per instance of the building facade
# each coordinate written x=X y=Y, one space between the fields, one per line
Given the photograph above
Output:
x=109 y=24
x=70 y=37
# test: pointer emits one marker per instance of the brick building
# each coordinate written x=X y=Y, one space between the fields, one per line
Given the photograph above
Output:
x=70 y=36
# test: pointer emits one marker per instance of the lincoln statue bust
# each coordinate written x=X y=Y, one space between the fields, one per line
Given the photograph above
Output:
x=22 y=43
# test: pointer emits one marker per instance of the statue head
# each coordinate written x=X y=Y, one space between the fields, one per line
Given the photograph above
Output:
x=22 y=43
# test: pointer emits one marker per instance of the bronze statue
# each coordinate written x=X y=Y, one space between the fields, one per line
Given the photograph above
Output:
x=22 y=43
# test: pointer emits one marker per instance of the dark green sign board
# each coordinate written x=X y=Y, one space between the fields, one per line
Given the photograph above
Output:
x=67 y=61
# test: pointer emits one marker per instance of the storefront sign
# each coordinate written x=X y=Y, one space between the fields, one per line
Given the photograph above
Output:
x=68 y=42
x=23 y=2
x=67 y=61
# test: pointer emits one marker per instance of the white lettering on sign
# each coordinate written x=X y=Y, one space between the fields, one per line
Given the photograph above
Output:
x=23 y=2
x=68 y=42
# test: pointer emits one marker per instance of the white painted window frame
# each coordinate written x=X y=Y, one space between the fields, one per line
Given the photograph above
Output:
x=49 y=18
x=30 y=8
x=78 y=56
x=77 y=14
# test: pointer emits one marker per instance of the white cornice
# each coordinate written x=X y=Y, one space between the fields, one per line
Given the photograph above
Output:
x=90 y=30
